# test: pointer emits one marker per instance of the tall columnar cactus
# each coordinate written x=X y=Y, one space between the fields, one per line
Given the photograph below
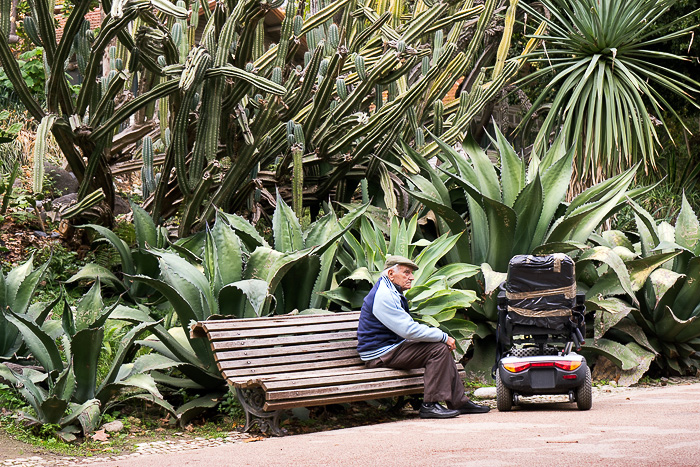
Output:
x=228 y=98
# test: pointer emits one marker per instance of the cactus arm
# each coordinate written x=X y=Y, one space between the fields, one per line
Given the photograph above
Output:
x=5 y=12
x=158 y=91
x=42 y=134
x=57 y=85
x=13 y=72
x=322 y=16
x=110 y=28
x=324 y=93
x=47 y=31
x=116 y=84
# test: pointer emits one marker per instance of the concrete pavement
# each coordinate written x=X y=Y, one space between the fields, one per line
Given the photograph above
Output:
x=628 y=427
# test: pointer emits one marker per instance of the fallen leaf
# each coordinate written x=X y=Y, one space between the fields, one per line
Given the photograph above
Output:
x=250 y=440
x=100 y=436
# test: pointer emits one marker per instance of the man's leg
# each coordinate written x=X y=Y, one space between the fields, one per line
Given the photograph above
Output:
x=442 y=381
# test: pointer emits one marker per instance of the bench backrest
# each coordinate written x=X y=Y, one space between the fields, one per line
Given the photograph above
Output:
x=250 y=350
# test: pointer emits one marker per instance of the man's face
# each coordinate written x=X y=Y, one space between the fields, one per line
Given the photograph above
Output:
x=402 y=276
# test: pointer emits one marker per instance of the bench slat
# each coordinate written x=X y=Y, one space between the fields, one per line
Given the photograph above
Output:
x=291 y=340
x=286 y=350
x=338 y=378
x=372 y=386
x=237 y=372
x=330 y=328
x=308 y=377
x=341 y=399
x=286 y=359
x=277 y=321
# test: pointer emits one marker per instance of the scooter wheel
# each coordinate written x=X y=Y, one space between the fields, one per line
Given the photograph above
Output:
x=584 y=393
x=504 y=396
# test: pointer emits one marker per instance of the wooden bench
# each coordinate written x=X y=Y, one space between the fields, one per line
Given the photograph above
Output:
x=284 y=362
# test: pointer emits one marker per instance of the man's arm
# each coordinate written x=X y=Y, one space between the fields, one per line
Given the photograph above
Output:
x=387 y=309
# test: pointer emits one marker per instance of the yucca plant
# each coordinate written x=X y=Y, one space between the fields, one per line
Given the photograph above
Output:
x=432 y=298
x=608 y=67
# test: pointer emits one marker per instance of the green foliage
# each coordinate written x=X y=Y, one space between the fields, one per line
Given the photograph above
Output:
x=31 y=66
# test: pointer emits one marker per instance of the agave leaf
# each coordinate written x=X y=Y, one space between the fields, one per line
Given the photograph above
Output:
x=134 y=381
x=123 y=351
x=429 y=257
x=119 y=244
x=92 y=271
x=512 y=170
x=687 y=232
x=488 y=183
x=196 y=407
x=286 y=229
x=51 y=409
x=670 y=328
x=88 y=415
x=149 y=362
x=89 y=307
x=609 y=312
x=270 y=265
x=145 y=228
x=528 y=209
x=607 y=256
x=64 y=386
x=40 y=344
x=228 y=254
x=622 y=356
x=688 y=298
x=639 y=270
x=646 y=226
x=247 y=233
x=492 y=279
x=256 y=295
x=19 y=294
x=86 y=345
x=559 y=247
x=555 y=183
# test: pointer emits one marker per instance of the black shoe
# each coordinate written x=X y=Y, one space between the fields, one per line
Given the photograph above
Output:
x=435 y=410
x=471 y=407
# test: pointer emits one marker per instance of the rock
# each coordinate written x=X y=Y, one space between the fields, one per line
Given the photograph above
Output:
x=113 y=427
x=121 y=206
x=60 y=181
x=485 y=393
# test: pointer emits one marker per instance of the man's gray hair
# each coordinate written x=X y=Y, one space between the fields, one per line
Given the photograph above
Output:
x=394 y=268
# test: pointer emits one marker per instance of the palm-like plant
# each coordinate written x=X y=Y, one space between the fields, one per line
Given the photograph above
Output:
x=607 y=71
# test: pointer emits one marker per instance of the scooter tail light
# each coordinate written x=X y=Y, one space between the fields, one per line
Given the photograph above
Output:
x=516 y=367
x=568 y=366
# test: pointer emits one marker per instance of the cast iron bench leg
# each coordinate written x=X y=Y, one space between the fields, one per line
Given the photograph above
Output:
x=252 y=401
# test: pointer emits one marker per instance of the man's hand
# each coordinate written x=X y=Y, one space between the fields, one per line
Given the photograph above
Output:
x=451 y=343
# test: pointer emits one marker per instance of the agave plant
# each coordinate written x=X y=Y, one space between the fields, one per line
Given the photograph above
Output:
x=432 y=299
x=230 y=270
x=663 y=318
x=68 y=390
x=607 y=72
x=517 y=208
x=17 y=289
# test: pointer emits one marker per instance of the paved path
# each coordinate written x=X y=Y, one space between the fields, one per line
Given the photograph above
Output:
x=639 y=427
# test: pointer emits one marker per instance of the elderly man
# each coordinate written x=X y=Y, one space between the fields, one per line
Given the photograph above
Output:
x=389 y=337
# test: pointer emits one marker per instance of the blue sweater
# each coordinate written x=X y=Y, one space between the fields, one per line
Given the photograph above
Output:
x=385 y=322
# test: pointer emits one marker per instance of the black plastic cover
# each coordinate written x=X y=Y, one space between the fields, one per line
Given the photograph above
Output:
x=528 y=274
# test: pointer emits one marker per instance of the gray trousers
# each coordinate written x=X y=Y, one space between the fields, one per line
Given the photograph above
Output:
x=442 y=381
